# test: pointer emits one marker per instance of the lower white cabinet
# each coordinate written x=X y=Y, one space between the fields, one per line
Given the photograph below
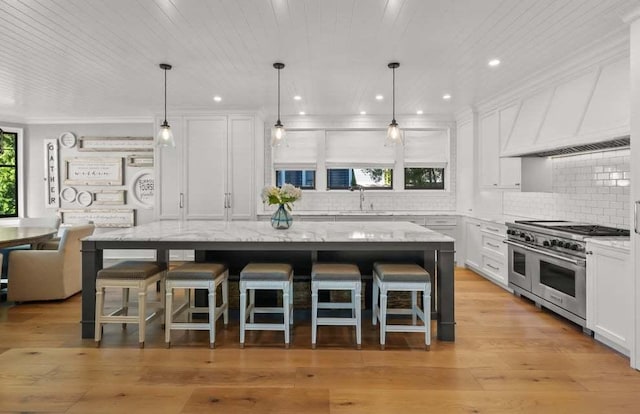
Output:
x=473 y=244
x=447 y=225
x=610 y=295
x=486 y=252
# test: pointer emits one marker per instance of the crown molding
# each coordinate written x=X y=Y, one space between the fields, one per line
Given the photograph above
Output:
x=89 y=120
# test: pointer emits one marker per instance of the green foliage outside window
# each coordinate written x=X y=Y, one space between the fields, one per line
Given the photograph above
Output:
x=8 y=176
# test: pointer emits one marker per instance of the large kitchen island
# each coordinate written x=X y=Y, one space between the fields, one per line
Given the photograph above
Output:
x=240 y=242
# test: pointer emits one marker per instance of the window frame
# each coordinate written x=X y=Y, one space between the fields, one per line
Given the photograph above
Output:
x=374 y=188
x=284 y=170
x=440 y=167
x=19 y=168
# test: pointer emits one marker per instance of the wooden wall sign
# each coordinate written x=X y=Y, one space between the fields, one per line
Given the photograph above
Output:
x=93 y=171
x=114 y=144
x=101 y=218
x=51 y=172
x=140 y=160
x=109 y=197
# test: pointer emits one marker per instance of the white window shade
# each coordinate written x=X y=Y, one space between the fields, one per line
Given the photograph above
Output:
x=358 y=149
x=426 y=148
x=299 y=152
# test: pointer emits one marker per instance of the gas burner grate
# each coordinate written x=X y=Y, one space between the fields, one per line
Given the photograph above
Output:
x=592 y=230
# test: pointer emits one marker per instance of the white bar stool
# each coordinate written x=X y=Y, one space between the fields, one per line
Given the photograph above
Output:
x=128 y=275
x=389 y=277
x=191 y=276
x=266 y=276
x=336 y=276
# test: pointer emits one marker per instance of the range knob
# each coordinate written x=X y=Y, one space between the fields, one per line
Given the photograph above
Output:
x=528 y=238
x=560 y=243
x=574 y=246
x=554 y=242
x=511 y=232
x=522 y=235
x=546 y=243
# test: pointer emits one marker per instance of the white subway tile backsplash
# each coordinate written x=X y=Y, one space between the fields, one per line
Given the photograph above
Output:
x=589 y=187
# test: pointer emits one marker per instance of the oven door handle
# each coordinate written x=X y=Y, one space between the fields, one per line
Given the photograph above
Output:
x=577 y=262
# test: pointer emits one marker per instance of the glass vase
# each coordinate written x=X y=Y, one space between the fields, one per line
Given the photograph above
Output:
x=281 y=219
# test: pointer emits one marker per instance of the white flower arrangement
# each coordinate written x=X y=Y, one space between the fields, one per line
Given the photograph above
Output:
x=284 y=195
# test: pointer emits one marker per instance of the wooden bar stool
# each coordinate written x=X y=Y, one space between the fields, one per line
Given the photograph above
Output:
x=191 y=276
x=128 y=275
x=266 y=276
x=389 y=277
x=336 y=276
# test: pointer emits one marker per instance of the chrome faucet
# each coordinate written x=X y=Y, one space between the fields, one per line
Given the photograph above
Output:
x=361 y=190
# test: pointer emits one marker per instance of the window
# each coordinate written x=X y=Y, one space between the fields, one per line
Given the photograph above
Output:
x=371 y=178
x=305 y=179
x=9 y=175
x=424 y=178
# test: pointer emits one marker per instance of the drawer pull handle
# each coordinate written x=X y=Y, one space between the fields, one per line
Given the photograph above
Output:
x=556 y=298
x=493 y=229
x=493 y=267
x=493 y=245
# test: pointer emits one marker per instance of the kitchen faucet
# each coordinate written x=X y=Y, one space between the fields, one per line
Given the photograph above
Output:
x=361 y=190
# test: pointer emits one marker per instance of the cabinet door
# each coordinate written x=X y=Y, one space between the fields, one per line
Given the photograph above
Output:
x=241 y=168
x=168 y=173
x=610 y=297
x=473 y=244
x=489 y=151
x=205 y=168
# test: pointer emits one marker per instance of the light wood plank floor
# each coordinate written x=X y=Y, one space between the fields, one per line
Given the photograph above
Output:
x=509 y=357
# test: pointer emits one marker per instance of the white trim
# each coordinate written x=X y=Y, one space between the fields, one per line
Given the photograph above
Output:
x=21 y=169
x=91 y=120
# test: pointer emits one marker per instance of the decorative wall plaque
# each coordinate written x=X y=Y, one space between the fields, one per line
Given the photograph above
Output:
x=101 y=218
x=143 y=188
x=93 y=171
x=67 y=139
x=140 y=160
x=113 y=144
x=68 y=194
x=84 y=198
x=51 y=174
x=109 y=197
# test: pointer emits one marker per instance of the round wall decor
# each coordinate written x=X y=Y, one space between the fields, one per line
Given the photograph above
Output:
x=67 y=139
x=143 y=188
x=84 y=198
x=68 y=194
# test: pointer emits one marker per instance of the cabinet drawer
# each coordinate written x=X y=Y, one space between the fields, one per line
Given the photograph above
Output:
x=494 y=268
x=497 y=229
x=494 y=245
x=441 y=221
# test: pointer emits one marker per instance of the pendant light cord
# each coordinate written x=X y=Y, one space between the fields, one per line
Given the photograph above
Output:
x=278 y=95
x=165 y=96
x=393 y=97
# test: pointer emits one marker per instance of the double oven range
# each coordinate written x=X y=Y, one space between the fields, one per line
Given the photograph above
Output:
x=547 y=263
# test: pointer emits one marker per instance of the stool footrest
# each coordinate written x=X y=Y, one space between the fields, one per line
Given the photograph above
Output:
x=337 y=321
x=204 y=326
x=405 y=328
x=264 y=326
x=335 y=305
x=266 y=310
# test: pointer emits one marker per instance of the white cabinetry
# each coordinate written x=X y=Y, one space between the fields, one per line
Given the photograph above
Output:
x=209 y=174
x=447 y=225
x=486 y=252
x=610 y=296
x=496 y=172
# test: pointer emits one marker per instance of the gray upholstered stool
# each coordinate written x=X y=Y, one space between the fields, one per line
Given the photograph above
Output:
x=191 y=276
x=266 y=276
x=128 y=275
x=402 y=277
x=336 y=276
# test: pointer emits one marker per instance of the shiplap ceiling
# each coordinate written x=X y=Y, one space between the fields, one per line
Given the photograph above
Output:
x=98 y=58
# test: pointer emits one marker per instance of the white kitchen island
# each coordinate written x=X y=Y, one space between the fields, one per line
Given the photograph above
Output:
x=240 y=242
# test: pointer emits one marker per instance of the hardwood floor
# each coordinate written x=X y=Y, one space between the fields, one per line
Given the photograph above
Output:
x=509 y=357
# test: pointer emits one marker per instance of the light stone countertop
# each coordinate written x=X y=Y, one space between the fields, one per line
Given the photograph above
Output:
x=261 y=231
x=620 y=243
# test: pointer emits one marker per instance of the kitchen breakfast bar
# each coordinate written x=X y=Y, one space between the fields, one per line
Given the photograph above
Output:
x=240 y=242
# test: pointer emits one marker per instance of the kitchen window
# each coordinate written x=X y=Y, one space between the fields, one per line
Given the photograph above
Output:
x=9 y=174
x=369 y=178
x=304 y=179
x=424 y=178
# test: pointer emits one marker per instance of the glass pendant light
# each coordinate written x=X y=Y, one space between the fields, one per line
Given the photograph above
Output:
x=394 y=134
x=165 y=136
x=278 y=132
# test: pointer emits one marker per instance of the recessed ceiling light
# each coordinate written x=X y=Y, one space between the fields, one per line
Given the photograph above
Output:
x=379 y=97
x=419 y=112
x=446 y=96
x=302 y=113
x=297 y=97
x=494 y=62
x=363 y=112
x=217 y=98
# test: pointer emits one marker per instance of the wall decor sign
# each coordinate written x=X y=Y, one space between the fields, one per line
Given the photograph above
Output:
x=93 y=171
x=84 y=198
x=68 y=194
x=132 y=144
x=109 y=197
x=101 y=218
x=143 y=188
x=51 y=174
x=140 y=160
x=67 y=139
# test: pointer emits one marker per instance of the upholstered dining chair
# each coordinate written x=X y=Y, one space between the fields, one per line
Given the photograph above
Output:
x=48 y=274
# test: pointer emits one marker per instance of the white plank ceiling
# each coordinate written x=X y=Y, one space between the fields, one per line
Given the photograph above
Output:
x=98 y=58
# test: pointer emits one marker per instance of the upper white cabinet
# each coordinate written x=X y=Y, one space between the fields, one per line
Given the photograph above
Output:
x=591 y=106
x=496 y=172
x=209 y=174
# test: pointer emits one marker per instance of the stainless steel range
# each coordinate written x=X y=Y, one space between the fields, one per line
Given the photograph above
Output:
x=547 y=263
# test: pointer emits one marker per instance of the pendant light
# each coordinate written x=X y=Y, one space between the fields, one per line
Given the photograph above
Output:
x=165 y=136
x=278 y=132
x=394 y=134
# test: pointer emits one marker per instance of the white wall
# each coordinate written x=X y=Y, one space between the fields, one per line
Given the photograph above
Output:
x=34 y=162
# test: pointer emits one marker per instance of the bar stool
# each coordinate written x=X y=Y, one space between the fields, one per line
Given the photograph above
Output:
x=336 y=276
x=266 y=276
x=389 y=277
x=191 y=276
x=128 y=275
